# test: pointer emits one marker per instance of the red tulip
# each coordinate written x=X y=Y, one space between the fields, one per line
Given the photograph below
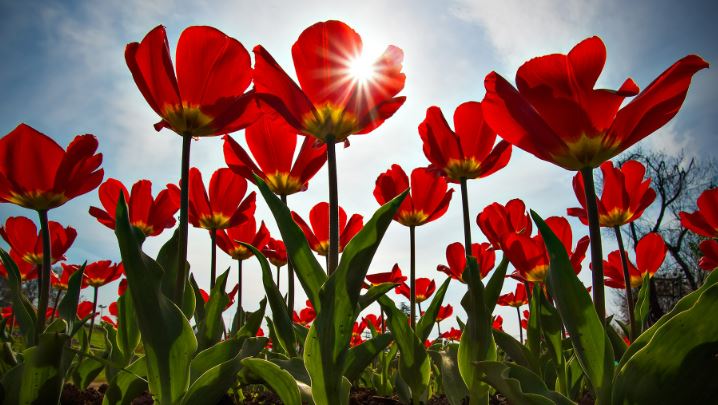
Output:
x=514 y=299
x=650 y=253
x=84 y=309
x=61 y=282
x=445 y=312
x=428 y=200
x=272 y=143
x=625 y=194
x=469 y=152
x=334 y=100
x=224 y=207
x=122 y=287
x=456 y=258
x=100 y=273
x=530 y=257
x=246 y=232
x=709 y=249
x=373 y=320
x=206 y=97
x=22 y=236
x=394 y=276
x=306 y=315
x=231 y=295
x=318 y=234
x=150 y=215
x=704 y=221
x=525 y=320
x=424 y=289
x=498 y=221
x=36 y=173
x=498 y=323
x=357 y=331
x=557 y=115
x=8 y=315
x=27 y=271
x=452 y=334
x=276 y=252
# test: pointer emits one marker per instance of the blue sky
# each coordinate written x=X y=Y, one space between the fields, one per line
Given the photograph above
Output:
x=64 y=73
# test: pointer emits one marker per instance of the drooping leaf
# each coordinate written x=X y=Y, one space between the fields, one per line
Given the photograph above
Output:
x=518 y=353
x=519 y=384
x=428 y=320
x=359 y=357
x=280 y=381
x=373 y=293
x=295 y=367
x=211 y=328
x=451 y=381
x=281 y=317
x=585 y=328
x=124 y=387
x=678 y=365
x=167 y=336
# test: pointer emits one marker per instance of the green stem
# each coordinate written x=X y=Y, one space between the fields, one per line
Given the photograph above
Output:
x=54 y=307
x=279 y=270
x=92 y=320
x=383 y=327
x=239 y=293
x=467 y=219
x=290 y=273
x=521 y=330
x=438 y=326
x=633 y=332
x=213 y=259
x=183 y=219
x=412 y=275
x=594 y=229
x=44 y=275
x=333 y=256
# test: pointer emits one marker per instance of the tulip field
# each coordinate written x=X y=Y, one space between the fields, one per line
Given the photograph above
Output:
x=364 y=335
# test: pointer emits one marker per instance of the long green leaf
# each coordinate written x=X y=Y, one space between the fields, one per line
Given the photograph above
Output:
x=210 y=329
x=128 y=333
x=643 y=303
x=306 y=267
x=518 y=353
x=331 y=331
x=168 y=258
x=124 y=387
x=280 y=381
x=495 y=284
x=451 y=381
x=359 y=357
x=295 y=367
x=67 y=309
x=519 y=384
x=551 y=330
x=586 y=329
x=21 y=306
x=679 y=363
x=253 y=321
x=281 y=318
x=212 y=385
x=427 y=321
x=373 y=294
x=167 y=336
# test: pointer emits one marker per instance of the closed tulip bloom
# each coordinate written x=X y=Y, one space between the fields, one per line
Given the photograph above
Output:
x=246 y=232
x=425 y=287
x=498 y=221
x=272 y=143
x=456 y=259
x=626 y=194
x=650 y=253
x=704 y=221
x=427 y=201
x=225 y=206
x=318 y=234
x=530 y=257
x=468 y=152
x=394 y=276
x=22 y=236
x=207 y=95
x=556 y=114
x=36 y=173
x=149 y=215
x=514 y=299
x=276 y=252
x=338 y=93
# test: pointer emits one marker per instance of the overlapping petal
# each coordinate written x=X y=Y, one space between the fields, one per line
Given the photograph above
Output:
x=225 y=205
x=318 y=233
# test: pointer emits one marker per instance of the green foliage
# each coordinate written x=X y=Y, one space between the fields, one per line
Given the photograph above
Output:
x=127 y=385
x=211 y=327
x=446 y=361
x=280 y=381
x=359 y=357
x=519 y=384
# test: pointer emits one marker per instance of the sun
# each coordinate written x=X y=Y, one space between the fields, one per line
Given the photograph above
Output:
x=362 y=69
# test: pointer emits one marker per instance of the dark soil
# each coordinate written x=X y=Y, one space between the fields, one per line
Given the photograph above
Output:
x=71 y=395
x=367 y=396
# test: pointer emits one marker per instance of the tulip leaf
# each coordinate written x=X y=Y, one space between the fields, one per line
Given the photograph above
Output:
x=588 y=336
x=619 y=346
x=678 y=364
x=88 y=368
x=210 y=329
x=373 y=293
x=167 y=258
x=253 y=321
x=330 y=334
x=359 y=357
x=128 y=334
x=477 y=341
x=643 y=303
x=67 y=308
x=533 y=326
x=281 y=318
x=306 y=267
x=495 y=284
x=414 y=363
x=295 y=367
x=551 y=331
x=124 y=387
x=280 y=381
x=22 y=309
x=167 y=338
x=451 y=381
x=428 y=320
x=518 y=353
x=519 y=384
